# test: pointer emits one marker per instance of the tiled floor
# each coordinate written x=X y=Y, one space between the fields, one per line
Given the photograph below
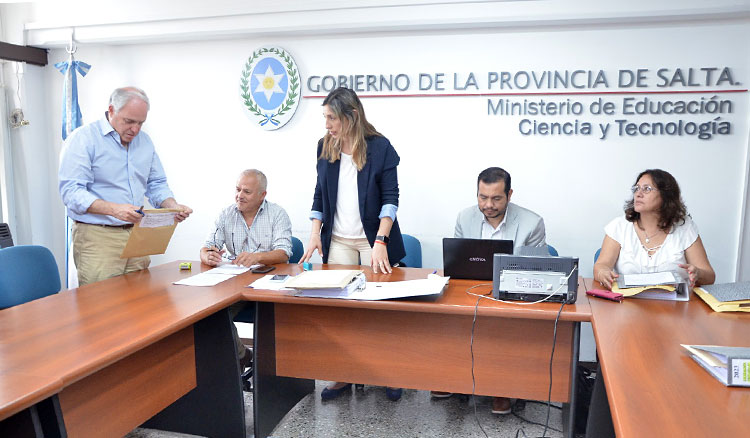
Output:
x=368 y=413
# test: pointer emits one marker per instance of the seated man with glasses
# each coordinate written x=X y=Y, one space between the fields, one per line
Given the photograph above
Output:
x=249 y=232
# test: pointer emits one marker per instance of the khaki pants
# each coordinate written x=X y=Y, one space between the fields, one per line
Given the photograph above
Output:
x=345 y=251
x=96 y=253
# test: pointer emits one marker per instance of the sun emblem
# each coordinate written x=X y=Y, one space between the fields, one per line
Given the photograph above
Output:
x=270 y=87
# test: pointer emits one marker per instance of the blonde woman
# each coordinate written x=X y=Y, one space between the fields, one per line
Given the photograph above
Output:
x=356 y=197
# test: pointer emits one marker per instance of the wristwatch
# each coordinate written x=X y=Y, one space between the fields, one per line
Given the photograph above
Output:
x=384 y=239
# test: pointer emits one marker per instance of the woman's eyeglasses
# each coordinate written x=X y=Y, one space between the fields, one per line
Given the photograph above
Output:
x=645 y=189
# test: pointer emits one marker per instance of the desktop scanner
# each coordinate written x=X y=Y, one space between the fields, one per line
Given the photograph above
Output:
x=534 y=277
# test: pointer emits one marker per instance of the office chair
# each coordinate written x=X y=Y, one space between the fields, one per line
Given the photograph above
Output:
x=297 y=250
x=552 y=250
x=247 y=314
x=413 y=258
x=6 y=239
x=27 y=272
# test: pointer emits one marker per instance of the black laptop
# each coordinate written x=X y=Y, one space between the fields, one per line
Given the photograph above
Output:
x=472 y=258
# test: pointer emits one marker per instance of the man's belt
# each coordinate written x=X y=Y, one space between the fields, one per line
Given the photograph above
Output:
x=123 y=226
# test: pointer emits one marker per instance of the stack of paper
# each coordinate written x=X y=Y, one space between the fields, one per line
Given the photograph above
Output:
x=656 y=285
x=729 y=365
x=357 y=288
x=727 y=297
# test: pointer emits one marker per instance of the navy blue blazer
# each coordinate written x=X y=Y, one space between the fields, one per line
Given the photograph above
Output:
x=377 y=185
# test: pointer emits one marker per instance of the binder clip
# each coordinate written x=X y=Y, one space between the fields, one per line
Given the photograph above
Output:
x=186 y=266
x=307 y=266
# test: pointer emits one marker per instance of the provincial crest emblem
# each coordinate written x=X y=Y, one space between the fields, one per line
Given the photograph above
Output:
x=270 y=87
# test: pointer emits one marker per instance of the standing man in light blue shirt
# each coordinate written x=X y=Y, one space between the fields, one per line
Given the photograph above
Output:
x=106 y=169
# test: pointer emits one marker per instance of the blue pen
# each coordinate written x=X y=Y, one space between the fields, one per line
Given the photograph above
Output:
x=140 y=210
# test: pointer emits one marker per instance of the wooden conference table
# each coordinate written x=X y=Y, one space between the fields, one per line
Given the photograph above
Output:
x=104 y=358
x=108 y=356
x=654 y=388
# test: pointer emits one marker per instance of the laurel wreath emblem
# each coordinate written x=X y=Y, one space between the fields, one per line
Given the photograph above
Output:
x=292 y=91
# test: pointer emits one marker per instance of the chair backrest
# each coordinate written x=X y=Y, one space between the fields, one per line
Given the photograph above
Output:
x=552 y=250
x=297 y=250
x=413 y=258
x=596 y=254
x=27 y=272
x=6 y=239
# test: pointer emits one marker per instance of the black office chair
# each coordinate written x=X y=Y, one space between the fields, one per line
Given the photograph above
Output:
x=6 y=239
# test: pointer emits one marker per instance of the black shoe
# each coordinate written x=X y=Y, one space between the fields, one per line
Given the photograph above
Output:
x=393 y=394
x=330 y=394
x=246 y=361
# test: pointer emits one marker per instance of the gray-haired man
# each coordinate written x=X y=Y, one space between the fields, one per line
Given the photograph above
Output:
x=106 y=169
x=253 y=231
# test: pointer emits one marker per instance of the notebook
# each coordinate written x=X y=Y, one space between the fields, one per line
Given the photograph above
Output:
x=472 y=258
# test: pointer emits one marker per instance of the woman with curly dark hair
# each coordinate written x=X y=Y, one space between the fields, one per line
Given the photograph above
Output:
x=656 y=234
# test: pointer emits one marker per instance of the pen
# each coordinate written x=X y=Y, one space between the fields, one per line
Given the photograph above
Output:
x=140 y=210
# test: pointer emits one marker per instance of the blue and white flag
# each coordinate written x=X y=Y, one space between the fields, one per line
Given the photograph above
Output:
x=71 y=119
x=71 y=112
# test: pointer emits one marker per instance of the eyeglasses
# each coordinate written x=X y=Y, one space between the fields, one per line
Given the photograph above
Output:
x=646 y=189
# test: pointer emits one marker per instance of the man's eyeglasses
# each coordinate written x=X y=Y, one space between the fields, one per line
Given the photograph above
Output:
x=229 y=255
x=646 y=189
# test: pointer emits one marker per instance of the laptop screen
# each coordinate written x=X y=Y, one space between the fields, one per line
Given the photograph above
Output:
x=472 y=258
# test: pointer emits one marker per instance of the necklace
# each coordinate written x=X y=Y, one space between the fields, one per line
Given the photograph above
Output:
x=648 y=238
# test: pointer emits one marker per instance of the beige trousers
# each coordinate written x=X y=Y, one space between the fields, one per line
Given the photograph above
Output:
x=96 y=253
x=345 y=251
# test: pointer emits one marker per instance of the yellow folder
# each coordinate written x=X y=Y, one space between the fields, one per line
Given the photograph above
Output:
x=722 y=306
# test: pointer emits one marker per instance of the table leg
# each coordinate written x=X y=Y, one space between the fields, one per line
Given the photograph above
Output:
x=273 y=396
x=215 y=408
x=569 y=409
x=42 y=420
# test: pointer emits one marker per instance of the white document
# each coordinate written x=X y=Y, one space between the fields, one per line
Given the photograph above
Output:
x=265 y=282
x=204 y=279
x=635 y=280
x=373 y=291
x=229 y=268
x=154 y=220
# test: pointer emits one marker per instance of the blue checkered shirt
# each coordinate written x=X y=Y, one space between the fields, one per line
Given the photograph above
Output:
x=271 y=230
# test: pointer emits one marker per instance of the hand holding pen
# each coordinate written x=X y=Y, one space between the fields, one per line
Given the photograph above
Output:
x=125 y=212
x=212 y=256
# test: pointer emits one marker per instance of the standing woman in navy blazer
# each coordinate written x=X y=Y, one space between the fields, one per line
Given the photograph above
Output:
x=356 y=197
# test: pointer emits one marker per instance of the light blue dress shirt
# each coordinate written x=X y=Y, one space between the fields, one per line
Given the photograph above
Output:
x=94 y=165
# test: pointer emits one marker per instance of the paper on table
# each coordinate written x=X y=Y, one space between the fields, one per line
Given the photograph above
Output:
x=229 y=268
x=432 y=285
x=634 y=280
x=265 y=282
x=153 y=220
x=204 y=279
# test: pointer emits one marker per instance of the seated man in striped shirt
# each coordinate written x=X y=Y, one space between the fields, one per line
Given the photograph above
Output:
x=252 y=231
